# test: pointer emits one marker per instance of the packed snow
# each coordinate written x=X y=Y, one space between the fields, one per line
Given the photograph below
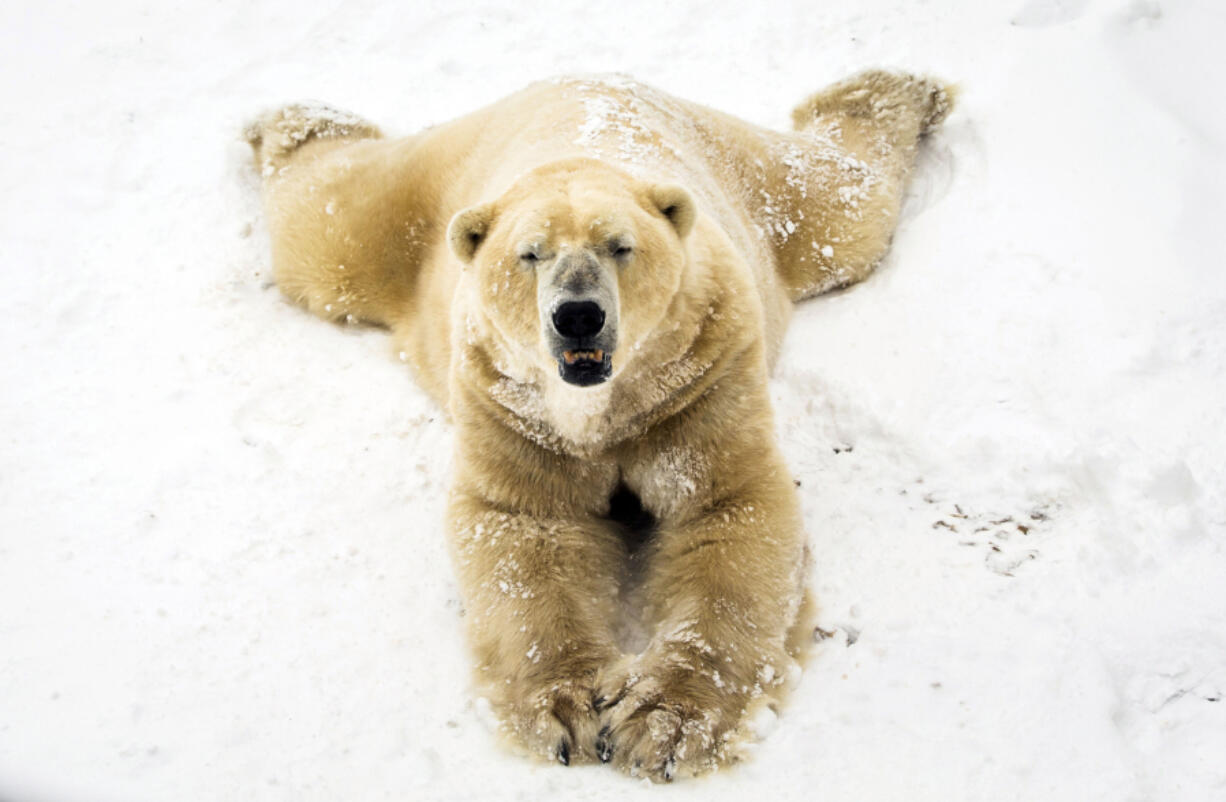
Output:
x=223 y=572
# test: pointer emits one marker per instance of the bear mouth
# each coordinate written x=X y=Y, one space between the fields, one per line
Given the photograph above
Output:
x=585 y=367
x=572 y=357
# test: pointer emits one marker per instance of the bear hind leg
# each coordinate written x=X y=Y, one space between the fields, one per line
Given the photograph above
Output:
x=340 y=247
x=874 y=121
x=880 y=108
x=276 y=135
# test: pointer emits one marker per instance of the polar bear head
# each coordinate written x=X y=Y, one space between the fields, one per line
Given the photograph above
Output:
x=576 y=263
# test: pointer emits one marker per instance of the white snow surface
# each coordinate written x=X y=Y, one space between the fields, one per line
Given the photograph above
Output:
x=223 y=573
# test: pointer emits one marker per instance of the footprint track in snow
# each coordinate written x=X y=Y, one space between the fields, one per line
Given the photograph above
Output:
x=1006 y=539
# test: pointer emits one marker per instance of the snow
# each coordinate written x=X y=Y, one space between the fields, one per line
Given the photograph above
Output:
x=223 y=573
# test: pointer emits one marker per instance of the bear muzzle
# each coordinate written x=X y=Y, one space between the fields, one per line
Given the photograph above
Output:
x=581 y=342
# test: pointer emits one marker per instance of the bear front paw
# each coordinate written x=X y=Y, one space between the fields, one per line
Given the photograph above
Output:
x=558 y=722
x=667 y=725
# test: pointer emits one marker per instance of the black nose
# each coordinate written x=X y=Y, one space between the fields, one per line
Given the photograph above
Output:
x=578 y=319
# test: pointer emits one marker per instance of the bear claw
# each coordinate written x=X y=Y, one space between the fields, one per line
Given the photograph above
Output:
x=604 y=747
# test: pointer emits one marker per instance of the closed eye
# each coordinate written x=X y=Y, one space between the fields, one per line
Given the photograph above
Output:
x=621 y=250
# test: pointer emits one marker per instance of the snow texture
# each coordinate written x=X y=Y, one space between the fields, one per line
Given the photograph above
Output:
x=222 y=567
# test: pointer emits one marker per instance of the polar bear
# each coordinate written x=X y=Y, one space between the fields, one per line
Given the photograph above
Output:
x=593 y=278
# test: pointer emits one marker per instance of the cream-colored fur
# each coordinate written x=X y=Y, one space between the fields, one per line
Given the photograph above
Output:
x=704 y=229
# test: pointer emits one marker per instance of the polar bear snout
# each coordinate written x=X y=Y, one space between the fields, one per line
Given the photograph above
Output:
x=582 y=338
x=578 y=307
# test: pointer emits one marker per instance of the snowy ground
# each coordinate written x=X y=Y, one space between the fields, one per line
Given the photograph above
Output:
x=222 y=570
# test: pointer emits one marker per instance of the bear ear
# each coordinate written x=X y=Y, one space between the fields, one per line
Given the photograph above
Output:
x=675 y=203
x=467 y=230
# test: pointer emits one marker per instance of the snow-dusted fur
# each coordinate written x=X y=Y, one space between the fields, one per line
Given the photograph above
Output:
x=729 y=224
